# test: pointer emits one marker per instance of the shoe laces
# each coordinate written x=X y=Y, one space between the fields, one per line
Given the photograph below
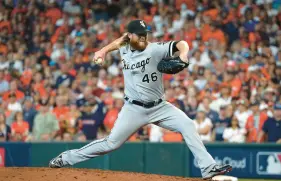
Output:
x=59 y=161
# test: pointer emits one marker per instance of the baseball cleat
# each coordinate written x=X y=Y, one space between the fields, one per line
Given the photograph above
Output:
x=217 y=170
x=57 y=162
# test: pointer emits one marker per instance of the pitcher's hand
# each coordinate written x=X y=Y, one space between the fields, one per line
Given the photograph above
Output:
x=99 y=57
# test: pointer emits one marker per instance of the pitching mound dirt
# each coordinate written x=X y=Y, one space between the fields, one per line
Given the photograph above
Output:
x=71 y=174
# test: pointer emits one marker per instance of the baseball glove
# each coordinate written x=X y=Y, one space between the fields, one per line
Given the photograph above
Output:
x=171 y=65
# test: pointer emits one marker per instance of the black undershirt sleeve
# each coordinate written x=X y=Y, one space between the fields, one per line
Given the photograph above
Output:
x=175 y=49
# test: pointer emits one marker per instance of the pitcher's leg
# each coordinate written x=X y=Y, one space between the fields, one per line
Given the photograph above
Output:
x=128 y=122
x=175 y=120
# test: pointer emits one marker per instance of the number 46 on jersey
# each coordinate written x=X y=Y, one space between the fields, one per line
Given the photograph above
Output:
x=147 y=78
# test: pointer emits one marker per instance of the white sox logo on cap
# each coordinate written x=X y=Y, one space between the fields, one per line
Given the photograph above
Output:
x=142 y=23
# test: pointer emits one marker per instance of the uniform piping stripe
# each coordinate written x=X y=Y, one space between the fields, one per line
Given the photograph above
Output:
x=90 y=144
x=171 y=48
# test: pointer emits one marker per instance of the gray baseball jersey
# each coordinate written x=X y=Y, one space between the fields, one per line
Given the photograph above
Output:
x=143 y=81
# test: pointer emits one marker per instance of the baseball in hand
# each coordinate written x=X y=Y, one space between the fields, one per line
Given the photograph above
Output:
x=99 y=60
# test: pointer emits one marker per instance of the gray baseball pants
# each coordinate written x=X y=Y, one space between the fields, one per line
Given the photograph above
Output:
x=130 y=119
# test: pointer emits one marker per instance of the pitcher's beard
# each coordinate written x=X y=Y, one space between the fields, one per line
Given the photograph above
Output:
x=137 y=45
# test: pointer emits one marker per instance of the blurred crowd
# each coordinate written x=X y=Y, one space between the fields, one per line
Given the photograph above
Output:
x=51 y=91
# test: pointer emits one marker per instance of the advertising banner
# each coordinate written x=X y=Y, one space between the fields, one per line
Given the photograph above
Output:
x=249 y=162
x=2 y=157
x=268 y=163
x=16 y=154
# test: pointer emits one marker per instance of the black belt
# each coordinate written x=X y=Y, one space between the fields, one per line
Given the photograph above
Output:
x=145 y=105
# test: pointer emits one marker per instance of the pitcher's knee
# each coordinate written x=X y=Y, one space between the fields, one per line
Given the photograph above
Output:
x=113 y=145
x=187 y=126
x=188 y=122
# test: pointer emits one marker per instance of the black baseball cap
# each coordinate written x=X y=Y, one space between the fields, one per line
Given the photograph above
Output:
x=138 y=27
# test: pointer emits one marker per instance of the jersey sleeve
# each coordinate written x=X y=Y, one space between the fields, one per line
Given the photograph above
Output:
x=122 y=49
x=164 y=49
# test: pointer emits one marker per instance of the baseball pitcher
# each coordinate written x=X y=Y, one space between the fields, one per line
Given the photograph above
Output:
x=143 y=66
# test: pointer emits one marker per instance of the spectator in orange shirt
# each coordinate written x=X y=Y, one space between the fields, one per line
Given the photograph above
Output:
x=189 y=3
x=236 y=85
x=61 y=109
x=214 y=33
x=14 y=89
x=3 y=47
x=68 y=121
x=72 y=119
x=53 y=12
x=231 y=77
x=190 y=32
x=112 y=114
x=255 y=122
x=38 y=83
x=19 y=128
x=213 y=13
x=5 y=23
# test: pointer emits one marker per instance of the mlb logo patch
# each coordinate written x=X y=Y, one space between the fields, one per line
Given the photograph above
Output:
x=269 y=163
